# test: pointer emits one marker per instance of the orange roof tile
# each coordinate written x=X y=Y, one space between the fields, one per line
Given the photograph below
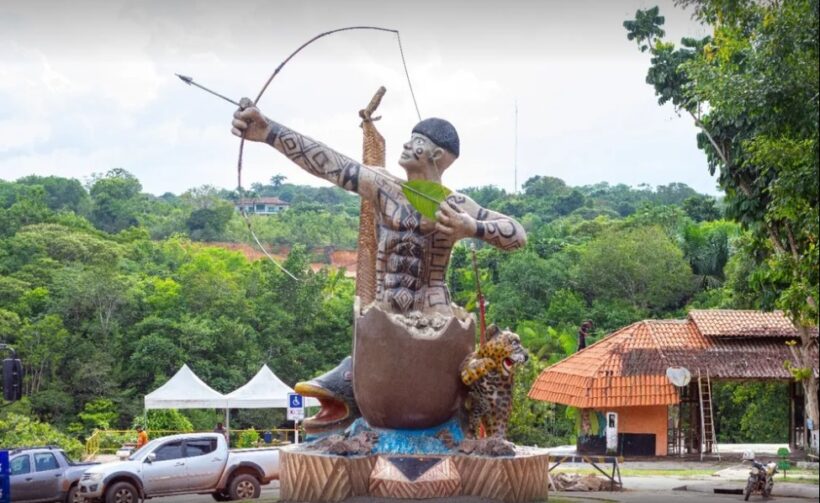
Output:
x=738 y=323
x=628 y=367
x=624 y=369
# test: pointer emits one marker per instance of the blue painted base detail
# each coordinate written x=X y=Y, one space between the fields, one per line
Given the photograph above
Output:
x=420 y=442
x=313 y=437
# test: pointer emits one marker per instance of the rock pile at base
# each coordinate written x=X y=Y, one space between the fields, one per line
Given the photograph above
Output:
x=357 y=445
x=493 y=447
x=575 y=482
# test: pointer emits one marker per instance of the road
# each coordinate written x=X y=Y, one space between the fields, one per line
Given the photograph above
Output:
x=270 y=493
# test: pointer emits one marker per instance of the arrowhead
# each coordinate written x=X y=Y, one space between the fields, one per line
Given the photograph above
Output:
x=185 y=79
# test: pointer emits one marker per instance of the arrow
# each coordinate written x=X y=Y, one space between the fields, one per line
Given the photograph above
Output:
x=406 y=186
x=190 y=82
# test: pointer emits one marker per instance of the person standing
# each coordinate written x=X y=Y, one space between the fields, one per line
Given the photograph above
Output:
x=142 y=436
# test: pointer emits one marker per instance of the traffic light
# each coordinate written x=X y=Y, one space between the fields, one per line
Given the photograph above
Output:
x=12 y=379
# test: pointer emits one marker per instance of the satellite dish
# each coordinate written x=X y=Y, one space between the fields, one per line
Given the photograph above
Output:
x=679 y=376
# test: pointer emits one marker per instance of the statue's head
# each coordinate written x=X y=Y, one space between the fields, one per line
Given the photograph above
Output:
x=433 y=143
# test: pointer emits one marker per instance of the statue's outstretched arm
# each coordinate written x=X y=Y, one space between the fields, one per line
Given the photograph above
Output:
x=314 y=157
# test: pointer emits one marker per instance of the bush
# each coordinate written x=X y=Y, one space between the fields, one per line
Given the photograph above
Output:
x=533 y=422
x=21 y=431
x=170 y=420
x=248 y=438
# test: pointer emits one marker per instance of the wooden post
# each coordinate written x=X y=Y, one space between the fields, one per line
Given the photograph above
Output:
x=373 y=154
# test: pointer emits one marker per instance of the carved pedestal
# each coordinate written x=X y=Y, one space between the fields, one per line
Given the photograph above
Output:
x=312 y=477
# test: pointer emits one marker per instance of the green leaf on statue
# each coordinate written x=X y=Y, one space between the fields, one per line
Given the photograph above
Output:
x=425 y=196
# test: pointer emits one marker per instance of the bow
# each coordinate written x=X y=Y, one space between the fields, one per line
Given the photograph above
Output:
x=297 y=51
x=423 y=195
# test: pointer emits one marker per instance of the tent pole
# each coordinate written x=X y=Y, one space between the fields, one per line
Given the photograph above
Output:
x=228 y=426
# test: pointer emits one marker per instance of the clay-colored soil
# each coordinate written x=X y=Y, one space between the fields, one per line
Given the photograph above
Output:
x=338 y=259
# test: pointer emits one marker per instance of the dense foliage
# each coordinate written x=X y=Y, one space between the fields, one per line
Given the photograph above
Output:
x=106 y=291
x=752 y=89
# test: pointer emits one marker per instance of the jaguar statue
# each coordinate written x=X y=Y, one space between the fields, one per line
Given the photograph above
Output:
x=489 y=373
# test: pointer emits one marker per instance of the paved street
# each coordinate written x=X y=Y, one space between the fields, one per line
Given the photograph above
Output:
x=270 y=493
x=640 y=489
x=642 y=493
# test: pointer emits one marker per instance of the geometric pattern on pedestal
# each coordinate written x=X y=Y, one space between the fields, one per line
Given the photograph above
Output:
x=439 y=479
x=322 y=478
x=316 y=477
x=512 y=480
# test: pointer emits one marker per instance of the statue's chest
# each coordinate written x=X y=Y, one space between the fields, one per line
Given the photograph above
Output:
x=397 y=214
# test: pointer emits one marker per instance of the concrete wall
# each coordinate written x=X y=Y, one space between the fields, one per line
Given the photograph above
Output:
x=649 y=419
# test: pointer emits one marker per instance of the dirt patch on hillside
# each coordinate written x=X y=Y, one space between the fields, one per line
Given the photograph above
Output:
x=338 y=259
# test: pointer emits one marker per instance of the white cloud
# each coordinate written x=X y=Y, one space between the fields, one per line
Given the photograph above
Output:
x=88 y=86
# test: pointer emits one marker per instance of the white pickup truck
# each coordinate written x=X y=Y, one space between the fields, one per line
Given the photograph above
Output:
x=192 y=463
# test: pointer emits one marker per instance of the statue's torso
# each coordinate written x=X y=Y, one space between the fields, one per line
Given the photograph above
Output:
x=412 y=257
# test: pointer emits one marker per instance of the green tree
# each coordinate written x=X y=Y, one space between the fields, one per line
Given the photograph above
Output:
x=524 y=288
x=22 y=431
x=701 y=208
x=707 y=247
x=751 y=88
x=116 y=202
x=100 y=413
x=61 y=193
x=640 y=266
x=164 y=420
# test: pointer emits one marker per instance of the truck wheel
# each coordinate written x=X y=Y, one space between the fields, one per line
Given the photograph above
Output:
x=73 y=495
x=122 y=492
x=244 y=487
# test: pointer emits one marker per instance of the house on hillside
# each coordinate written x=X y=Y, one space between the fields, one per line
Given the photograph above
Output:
x=261 y=205
x=626 y=373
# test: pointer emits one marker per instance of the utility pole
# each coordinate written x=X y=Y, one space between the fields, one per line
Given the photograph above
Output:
x=515 y=154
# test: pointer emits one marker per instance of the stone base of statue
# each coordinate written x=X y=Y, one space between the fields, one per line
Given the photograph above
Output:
x=309 y=476
x=405 y=368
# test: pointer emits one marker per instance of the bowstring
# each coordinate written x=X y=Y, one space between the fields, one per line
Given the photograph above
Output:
x=240 y=190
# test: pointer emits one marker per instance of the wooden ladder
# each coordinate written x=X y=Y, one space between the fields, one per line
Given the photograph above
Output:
x=708 y=439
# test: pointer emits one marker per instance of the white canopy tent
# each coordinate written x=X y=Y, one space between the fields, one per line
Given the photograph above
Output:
x=264 y=391
x=185 y=391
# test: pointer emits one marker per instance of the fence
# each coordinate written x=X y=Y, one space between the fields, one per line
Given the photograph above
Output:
x=110 y=441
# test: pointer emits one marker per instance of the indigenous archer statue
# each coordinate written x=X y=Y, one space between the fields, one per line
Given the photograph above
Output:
x=410 y=341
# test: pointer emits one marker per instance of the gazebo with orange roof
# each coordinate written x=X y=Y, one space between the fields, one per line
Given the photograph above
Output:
x=626 y=372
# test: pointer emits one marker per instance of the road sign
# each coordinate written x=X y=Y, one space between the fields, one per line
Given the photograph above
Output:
x=296 y=407
x=5 y=473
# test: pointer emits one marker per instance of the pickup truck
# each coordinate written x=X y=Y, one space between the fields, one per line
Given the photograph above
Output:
x=191 y=463
x=44 y=474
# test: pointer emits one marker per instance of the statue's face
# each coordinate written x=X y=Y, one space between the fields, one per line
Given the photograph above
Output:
x=419 y=153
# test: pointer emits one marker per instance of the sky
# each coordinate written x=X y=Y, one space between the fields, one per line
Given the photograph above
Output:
x=87 y=86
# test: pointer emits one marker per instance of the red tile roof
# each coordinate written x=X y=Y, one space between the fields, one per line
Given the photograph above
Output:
x=628 y=367
x=737 y=323
x=623 y=369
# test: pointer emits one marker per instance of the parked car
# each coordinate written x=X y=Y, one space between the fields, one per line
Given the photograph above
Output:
x=191 y=463
x=44 y=474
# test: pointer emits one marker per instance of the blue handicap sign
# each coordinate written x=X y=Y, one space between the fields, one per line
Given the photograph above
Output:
x=295 y=401
x=5 y=473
